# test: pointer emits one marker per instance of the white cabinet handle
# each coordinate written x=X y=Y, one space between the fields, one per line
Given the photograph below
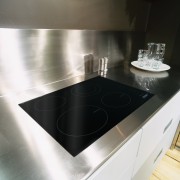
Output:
x=158 y=155
x=167 y=126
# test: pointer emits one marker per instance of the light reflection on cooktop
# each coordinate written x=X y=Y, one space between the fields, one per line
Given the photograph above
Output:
x=78 y=115
x=54 y=102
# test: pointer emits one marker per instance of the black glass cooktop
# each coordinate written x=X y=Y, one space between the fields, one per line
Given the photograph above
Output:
x=78 y=115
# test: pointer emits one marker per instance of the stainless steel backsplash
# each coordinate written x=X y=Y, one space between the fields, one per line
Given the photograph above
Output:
x=30 y=57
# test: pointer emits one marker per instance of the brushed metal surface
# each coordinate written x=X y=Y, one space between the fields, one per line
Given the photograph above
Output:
x=28 y=152
x=29 y=69
x=27 y=56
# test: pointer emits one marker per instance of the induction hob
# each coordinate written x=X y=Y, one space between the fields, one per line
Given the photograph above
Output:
x=78 y=115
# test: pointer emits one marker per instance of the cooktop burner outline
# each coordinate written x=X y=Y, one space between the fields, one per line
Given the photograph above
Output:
x=85 y=90
x=76 y=121
x=93 y=115
x=116 y=100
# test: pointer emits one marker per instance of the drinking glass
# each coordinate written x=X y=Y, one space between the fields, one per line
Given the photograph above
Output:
x=152 y=48
x=160 y=50
x=142 y=57
x=158 y=59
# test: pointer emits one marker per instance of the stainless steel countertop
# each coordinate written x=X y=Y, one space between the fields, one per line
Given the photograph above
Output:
x=28 y=152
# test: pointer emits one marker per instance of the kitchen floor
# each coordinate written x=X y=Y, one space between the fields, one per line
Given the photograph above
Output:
x=169 y=167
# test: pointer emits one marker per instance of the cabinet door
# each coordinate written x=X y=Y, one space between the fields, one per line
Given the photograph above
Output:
x=121 y=163
x=156 y=128
x=153 y=132
x=176 y=116
x=174 y=105
x=147 y=168
x=127 y=175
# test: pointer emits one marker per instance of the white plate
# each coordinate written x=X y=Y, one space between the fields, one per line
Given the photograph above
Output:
x=163 y=67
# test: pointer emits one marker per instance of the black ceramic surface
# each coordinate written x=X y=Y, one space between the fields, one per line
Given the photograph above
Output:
x=78 y=115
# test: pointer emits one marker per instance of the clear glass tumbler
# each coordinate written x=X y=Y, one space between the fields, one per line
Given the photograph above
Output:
x=160 y=50
x=152 y=48
x=142 y=57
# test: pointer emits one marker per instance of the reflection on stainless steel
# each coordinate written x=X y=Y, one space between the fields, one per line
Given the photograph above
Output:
x=102 y=67
x=29 y=54
x=120 y=131
x=37 y=62
x=149 y=74
x=88 y=63
x=147 y=80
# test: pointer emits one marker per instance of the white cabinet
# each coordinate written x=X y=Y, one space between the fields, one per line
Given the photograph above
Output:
x=147 y=168
x=175 y=106
x=127 y=175
x=156 y=138
x=120 y=165
x=153 y=132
